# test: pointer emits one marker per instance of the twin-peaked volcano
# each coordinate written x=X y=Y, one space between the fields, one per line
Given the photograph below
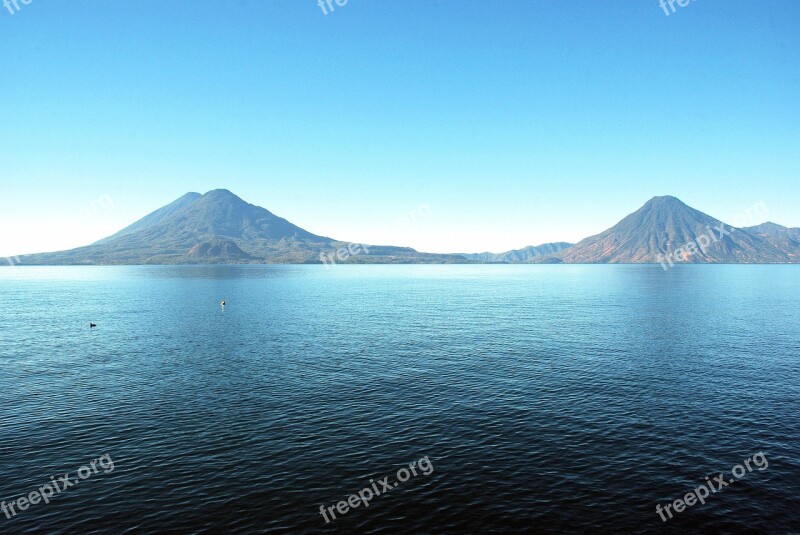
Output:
x=219 y=227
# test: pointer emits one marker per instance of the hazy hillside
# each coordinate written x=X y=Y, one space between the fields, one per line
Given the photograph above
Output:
x=219 y=227
x=156 y=217
x=518 y=255
x=786 y=239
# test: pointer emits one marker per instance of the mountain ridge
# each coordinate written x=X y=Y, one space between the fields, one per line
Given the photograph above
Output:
x=516 y=256
x=219 y=227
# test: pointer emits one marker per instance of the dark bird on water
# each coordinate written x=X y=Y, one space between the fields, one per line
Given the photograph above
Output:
x=222 y=303
x=92 y=325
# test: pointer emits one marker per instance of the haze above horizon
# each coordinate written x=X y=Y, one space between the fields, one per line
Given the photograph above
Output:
x=446 y=127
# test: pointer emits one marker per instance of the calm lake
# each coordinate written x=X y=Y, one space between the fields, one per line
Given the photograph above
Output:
x=545 y=398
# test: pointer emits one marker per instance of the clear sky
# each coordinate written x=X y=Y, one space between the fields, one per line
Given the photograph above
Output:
x=441 y=125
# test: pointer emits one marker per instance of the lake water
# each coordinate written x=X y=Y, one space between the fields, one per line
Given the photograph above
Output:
x=546 y=398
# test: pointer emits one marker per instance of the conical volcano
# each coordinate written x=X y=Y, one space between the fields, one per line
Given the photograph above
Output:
x=667 y=230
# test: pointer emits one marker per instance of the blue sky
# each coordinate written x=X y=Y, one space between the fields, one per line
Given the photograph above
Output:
x=442 y=125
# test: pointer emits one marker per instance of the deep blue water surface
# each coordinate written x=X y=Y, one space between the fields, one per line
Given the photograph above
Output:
x=547 y=398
